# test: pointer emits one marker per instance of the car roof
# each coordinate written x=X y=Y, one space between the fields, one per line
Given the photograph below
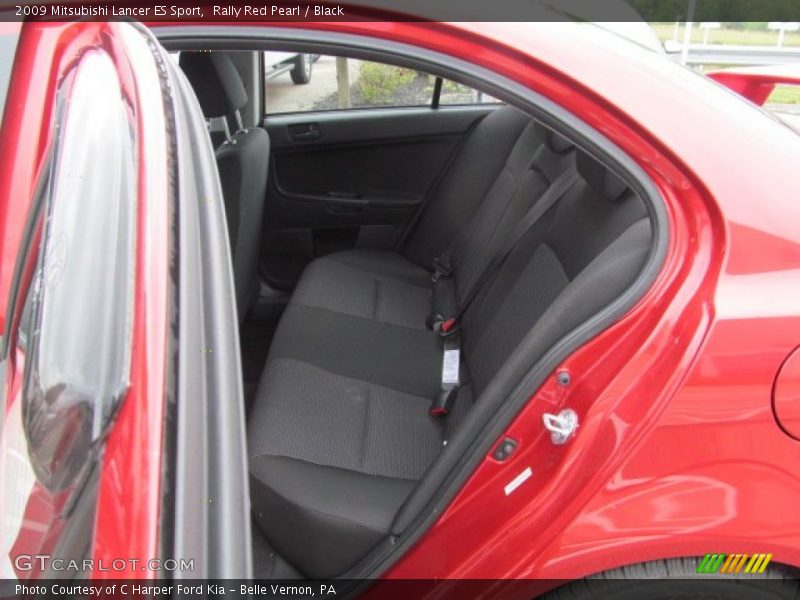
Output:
x=706 y=125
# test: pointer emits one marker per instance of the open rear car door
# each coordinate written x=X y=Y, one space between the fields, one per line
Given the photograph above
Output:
x=113 y=314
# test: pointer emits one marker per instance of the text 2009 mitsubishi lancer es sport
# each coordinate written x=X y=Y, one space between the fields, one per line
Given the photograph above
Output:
x=513 y=301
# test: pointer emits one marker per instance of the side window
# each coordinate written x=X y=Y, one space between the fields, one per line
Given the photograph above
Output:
x=77 y=322
x=454 y=93
x=309 y=82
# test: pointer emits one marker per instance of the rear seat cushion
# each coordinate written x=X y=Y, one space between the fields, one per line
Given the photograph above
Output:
x=336 y=421
x=342 y=511
x=398 y=357
x=332 y=458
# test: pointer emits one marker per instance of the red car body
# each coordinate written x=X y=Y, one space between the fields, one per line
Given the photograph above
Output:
x=687 y=444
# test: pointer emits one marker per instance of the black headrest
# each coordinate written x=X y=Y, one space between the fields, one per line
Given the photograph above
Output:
x=599 y=177
x=557 y=142
x=215 y=81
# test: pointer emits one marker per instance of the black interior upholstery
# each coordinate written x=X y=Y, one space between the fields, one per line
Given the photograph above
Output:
x=242 y=163
x=340 y=431
x=216 y=82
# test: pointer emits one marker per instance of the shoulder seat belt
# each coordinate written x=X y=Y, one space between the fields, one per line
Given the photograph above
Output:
x=449 y=328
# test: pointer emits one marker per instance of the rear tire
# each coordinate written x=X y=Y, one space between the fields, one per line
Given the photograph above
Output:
x=678 y=578
x=301 y=73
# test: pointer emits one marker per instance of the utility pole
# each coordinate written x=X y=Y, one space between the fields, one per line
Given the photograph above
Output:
x=343 y=81
x=687 y=32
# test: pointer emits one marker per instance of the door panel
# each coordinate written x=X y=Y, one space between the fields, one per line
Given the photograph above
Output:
x=355 y=178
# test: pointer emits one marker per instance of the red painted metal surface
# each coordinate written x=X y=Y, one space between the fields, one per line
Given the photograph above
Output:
x=129 y=501
x=678 y=452
x=786 y=395
x=757 y=83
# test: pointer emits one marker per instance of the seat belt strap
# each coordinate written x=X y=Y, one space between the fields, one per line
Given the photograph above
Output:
x=441 y=267
x=553 y=194
x=450 y=329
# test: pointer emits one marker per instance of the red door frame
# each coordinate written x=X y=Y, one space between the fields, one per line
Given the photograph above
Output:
x=659 y=468
x=129 y=495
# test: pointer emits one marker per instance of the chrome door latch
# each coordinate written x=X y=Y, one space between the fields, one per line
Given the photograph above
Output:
x=561 y=426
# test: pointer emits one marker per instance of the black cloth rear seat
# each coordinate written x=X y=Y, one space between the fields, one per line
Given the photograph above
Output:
x=466 y=222
x=394 y=287
x=340 y=431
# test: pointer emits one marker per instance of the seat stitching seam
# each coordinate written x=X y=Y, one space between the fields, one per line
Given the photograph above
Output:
x=324 y=466
x=375 y=298
x=365 y=429
x=350 y=378
x=389 y=324
x=375 y=272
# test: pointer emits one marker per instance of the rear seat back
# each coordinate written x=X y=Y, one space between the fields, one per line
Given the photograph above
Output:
x=537 y=159
x=576 y=259
x=465 y=184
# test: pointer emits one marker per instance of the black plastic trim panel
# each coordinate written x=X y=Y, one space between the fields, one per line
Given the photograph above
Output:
x=374 y=124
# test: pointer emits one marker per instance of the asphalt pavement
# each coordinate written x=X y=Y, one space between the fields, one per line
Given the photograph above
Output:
x=285 y=96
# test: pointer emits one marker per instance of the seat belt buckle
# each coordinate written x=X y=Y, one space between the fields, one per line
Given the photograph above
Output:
x=446 y=327
x=443 y=403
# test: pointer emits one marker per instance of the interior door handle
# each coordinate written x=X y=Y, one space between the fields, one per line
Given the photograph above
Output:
x=303 y=132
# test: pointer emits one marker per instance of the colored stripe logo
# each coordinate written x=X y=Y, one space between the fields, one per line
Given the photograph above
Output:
x=734 y=563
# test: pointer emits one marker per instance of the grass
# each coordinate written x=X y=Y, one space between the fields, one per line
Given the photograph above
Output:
x=728 y=35
x=785 y=94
